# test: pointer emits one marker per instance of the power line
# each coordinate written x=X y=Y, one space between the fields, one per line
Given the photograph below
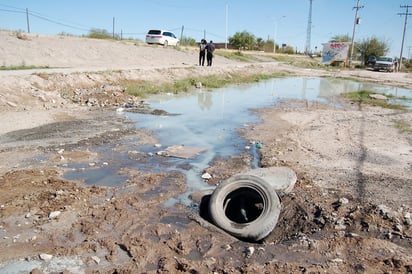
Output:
x=47 y=18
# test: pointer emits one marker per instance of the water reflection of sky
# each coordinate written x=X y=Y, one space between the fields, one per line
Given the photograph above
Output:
x=209 y=119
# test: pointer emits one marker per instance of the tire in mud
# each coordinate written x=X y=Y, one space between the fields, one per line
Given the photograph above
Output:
x=245 y=206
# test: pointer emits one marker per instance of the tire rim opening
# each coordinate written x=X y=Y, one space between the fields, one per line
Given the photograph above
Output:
x=243 y=205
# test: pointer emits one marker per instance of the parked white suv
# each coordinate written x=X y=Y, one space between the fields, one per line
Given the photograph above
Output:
x=162 y=37
x=385 y=63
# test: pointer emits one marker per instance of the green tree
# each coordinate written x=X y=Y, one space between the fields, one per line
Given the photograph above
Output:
x=372 y=46
x=101 y=34
x=340 y=38
x=260 y=44
x=188 y=41
x=242 y=40
x=287 y=50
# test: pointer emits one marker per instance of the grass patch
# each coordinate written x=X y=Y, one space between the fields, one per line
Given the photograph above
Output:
x=237 y=56
x=363 y=97
x=403 y=126
x=23 y=67
x=144 y=89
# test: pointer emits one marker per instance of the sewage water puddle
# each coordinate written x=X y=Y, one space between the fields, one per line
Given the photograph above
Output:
x=209 y=119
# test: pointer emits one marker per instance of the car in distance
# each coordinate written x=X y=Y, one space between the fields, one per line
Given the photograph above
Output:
x=162 y=37
x=385 y=63
x=371 y=61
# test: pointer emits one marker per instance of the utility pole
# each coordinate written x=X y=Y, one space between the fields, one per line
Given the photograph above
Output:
x=27 y=18
x=309 y=29
x=113 y=27
x=404 y=31
x=226 y=25
x=356 y=22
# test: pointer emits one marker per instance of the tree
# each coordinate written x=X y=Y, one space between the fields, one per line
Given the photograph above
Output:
x=188 y=41
x=260 y=44
x=373 y=46
x=287 y=50
x=340 y=38
x=242 y=40
x=100 y=34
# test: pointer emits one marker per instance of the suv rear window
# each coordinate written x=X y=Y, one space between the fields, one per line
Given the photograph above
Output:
x=157 y=32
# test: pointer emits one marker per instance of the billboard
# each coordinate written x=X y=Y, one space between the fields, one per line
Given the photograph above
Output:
x=336 y=51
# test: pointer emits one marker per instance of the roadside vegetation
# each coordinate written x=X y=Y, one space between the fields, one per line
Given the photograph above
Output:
x=22 y=67
x=145 y=89
x=403 y=126
x=364 y=97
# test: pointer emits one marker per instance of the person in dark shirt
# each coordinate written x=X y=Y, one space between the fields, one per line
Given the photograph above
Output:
x=202 y=52
x=210 y=48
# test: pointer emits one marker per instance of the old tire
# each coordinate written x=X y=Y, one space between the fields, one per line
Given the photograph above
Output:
x=245 y=206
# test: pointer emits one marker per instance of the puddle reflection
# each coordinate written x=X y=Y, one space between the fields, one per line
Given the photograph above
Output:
x=209 y=119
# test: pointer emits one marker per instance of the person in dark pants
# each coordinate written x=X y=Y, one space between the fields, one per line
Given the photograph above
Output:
x=202 y=52
x=210 y=48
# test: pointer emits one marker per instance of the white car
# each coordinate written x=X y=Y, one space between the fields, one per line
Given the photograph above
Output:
x=162 y=37
x=385 y=63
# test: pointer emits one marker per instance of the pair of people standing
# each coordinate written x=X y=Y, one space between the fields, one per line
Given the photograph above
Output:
x=206 y=50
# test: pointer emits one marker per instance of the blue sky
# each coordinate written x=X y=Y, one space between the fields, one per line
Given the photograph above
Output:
x=286 y=20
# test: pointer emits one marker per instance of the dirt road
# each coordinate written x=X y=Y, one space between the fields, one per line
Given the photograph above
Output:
x=350 y=210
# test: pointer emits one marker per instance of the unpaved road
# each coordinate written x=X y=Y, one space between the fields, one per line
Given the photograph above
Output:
x=350 y=211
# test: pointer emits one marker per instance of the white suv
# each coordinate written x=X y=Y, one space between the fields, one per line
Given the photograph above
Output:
x=162 y=37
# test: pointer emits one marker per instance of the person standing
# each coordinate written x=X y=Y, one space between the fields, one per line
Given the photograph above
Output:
x=210 y=48
x=202 y=52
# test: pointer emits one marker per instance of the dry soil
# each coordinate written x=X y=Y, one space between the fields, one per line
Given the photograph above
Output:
x=350 y=210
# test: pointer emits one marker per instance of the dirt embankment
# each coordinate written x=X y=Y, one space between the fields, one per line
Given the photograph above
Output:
x=350 y=210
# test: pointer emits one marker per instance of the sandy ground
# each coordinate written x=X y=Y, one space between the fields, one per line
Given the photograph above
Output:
x=350 y=210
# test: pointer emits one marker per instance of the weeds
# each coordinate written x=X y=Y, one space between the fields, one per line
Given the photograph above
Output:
x=364 y=97
x=22 y=67
x=403 y=126
x=144 y=89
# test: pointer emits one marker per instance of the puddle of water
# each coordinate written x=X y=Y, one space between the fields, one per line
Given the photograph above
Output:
x=209 y=119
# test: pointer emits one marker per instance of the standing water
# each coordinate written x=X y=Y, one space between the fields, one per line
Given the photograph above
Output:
x=209 y=120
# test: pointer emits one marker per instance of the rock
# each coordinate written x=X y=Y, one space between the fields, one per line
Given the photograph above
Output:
x=343 y=201
x=36 y=271
x=378 y=97
x=384 y=210
x=206 y=176
x=249 y=251
x=45 y=257
x=11 y=104
x=54 y=214
x=96 y=259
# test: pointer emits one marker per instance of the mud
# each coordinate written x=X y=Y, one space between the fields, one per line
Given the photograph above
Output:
x=349 y=212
